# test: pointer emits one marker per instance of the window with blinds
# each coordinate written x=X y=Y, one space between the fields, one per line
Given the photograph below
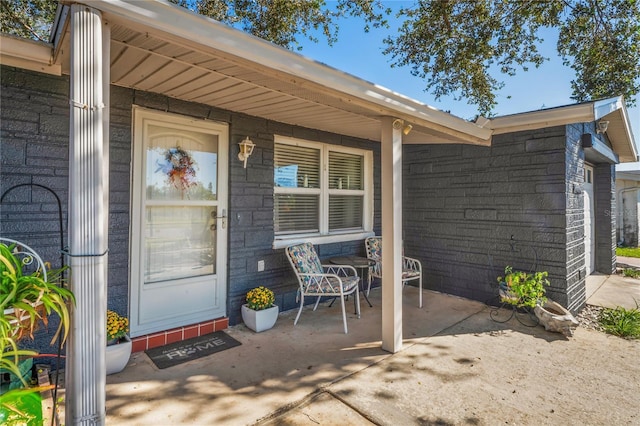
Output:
x=319 y=189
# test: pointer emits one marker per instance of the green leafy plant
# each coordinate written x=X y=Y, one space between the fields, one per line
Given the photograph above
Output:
x=621 y=322
x=630 y=272
x=26 y=301
x=523 y=289
x=260 y=298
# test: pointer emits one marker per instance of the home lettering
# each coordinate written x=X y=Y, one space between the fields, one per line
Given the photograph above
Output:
x=182 y=353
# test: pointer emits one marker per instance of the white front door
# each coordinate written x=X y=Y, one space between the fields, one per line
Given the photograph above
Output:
x=589 y=223
x=179 y=235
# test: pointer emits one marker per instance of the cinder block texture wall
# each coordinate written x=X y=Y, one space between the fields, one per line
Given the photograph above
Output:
x=35 y=148
x=469 y=211
x=575 y=250
x=605 y=191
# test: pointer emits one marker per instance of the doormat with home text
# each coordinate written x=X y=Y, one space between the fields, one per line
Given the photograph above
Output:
x=190 y=349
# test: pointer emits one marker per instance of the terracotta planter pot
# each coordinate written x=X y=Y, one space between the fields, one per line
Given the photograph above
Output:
x=259 y=320
x=118 y=355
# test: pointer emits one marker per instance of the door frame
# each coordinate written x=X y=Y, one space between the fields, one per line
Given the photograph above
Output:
x=589 y=188
x=138 y=173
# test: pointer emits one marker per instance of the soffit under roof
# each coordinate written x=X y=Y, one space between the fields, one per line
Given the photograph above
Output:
x=147 y=59
x=150 y=58
x=620 y=136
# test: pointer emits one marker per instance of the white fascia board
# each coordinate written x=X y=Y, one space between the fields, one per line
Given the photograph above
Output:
x=630 y=139
x=561 y=116
x=607 y=106
x=27 y=54
x=628 y=175
x=569 y=114
x=544 y=118
x=185 y=24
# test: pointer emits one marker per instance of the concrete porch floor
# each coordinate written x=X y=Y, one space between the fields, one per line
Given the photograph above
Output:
x=315 y=374
x=276 y=369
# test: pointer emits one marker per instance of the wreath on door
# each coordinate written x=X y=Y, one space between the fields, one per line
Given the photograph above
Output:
x=179 y=168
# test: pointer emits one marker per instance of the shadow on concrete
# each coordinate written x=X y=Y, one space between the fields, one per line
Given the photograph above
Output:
x=277 y=369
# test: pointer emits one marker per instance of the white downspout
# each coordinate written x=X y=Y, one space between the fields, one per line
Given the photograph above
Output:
x=620 y=215
x=85 y=364
x=391 y=159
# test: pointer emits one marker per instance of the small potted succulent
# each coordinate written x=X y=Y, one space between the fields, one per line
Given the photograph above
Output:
x=118 y=342
x=260 y=313
x=522 y=289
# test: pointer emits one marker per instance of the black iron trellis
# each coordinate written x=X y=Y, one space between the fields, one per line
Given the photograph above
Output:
x=524 y=315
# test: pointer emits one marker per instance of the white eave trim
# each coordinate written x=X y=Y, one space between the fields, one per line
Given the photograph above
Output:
x=579 y=113
x=627 y=131
x=27 y=54
x=628 y=175
x=621 y=137
x=187 y=25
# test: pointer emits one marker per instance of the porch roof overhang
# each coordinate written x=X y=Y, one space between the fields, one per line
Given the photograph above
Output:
x=162 y=48
x=612 y=109
x=629 y=175
x=27 y=54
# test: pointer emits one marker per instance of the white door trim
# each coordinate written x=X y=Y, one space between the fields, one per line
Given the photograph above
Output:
x=138 y=166
x=589 y=220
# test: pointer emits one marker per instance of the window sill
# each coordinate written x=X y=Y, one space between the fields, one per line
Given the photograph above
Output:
x=321 y=239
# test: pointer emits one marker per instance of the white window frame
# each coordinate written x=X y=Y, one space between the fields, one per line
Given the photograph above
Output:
x=324 y=236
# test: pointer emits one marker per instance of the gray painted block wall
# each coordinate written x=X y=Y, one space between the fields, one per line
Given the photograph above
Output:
x=575 y=250
x=604 y=215
x=605 y=192
x=35 y=148
x=470 y=211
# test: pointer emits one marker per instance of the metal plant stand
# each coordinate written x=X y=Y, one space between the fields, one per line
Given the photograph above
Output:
x=62 y=264
x=505 y=311
x=524 y=315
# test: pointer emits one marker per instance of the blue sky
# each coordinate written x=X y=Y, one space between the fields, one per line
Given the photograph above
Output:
x=360 y=54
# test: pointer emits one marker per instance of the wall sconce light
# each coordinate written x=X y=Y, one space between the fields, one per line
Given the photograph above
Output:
x=399 y=124
x=246 y=149
x=602 y=126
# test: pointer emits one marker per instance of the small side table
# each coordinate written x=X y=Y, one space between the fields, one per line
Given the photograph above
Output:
x=358 y=262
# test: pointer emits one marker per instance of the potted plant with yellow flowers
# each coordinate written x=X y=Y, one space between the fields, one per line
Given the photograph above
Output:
x=260 y=313
x=118 y=342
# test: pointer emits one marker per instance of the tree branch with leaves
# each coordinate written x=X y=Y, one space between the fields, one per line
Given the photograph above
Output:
x=460 y=48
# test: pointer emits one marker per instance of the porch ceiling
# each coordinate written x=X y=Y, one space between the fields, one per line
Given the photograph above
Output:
x=146 y=55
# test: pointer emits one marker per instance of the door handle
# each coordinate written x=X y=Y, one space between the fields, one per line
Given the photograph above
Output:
x=223 y=217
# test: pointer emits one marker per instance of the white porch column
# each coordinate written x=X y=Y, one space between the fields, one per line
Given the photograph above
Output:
x=85 y=364
x=391 y=159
